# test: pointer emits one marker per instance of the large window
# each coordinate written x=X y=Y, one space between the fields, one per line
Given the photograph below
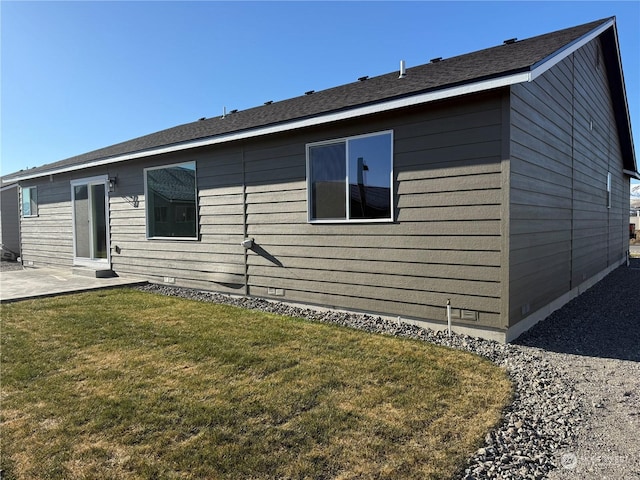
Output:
x=170 y=194
x=29 y=202
x=351 y=179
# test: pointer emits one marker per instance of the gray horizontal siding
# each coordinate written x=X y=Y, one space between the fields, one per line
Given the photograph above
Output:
x=47 y=240
x=449 y=228
x=563 y=143
x=216 y=260
x=444 y=244
x=460 y=271
x=596 y=152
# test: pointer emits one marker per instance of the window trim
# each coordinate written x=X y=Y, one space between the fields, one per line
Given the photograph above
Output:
x=346 y=141
x=31 y=214
x=147 y=214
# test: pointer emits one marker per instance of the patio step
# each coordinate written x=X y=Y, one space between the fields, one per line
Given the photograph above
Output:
x=93 y=272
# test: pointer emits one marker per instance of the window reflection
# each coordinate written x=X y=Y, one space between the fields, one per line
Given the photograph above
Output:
x=358 y=169
x=171 y=201
x=370 y=177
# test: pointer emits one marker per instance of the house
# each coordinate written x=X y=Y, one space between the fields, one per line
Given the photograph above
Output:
x=9 y=221
x=497 y=180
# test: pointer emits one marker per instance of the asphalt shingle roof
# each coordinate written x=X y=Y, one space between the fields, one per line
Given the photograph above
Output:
x=489 y=63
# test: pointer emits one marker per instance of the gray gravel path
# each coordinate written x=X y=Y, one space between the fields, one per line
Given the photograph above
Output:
x=595 y=342
x=576 y=411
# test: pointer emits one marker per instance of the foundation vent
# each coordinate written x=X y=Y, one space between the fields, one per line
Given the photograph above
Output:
x=463 y=314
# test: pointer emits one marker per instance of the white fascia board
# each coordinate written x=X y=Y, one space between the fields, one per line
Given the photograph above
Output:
x=624 y=94
x=556 y=57
x=546 y=63
x=384 y=106
x=7 y=187
x=632 y=174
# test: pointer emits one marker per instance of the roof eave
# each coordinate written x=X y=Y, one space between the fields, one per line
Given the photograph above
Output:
x=476 y=86
x=625 y=120
x=333 y=116
x=8 y=186
x=631 y=173
x=624 y=106
x=556 y=57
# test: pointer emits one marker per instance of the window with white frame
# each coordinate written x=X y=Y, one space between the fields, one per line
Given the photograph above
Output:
x=608 y=189
x=29 y=202
x=170 y=194
x=350 y=179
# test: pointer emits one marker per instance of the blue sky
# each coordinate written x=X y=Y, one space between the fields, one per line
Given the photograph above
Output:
x=77 y=76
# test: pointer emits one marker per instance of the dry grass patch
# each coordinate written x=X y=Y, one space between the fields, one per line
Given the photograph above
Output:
x=131 y=385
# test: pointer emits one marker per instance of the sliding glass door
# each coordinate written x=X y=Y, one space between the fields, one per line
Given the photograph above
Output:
x=90 y=222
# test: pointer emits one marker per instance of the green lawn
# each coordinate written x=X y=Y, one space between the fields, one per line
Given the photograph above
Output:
x=122 y=384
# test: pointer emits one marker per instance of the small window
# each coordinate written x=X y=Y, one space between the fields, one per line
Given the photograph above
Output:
x=170 y=194
x=29 y=202
x=351 y=179
x=608 y=190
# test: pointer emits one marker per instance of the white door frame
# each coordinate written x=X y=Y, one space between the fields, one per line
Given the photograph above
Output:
x=84 y=261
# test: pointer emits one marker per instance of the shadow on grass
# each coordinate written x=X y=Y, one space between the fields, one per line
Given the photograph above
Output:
x=602 y=322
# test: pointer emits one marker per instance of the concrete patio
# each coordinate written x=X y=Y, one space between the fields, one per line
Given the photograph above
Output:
x=31 y=283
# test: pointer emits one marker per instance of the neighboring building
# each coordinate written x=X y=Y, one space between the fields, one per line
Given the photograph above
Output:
x=9 y=222
x=498 y=180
